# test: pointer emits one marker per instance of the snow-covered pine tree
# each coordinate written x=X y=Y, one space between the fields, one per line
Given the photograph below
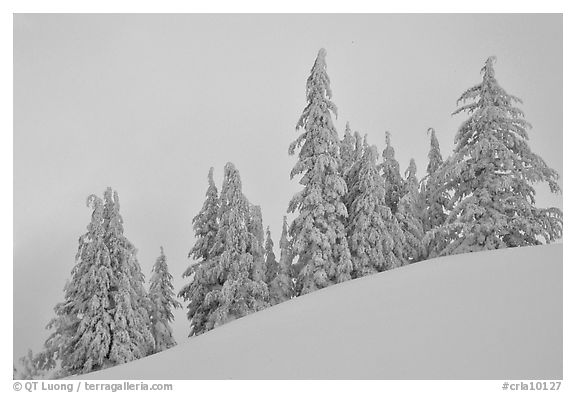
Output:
x=359 y=146
x=161 y=295
x=256 y=227
x=409 y=214
x=351 y=149
x=318 y=233
x=347 y=150
x=491 y=174
x=374 y=235
x=240 y=292
x=272 y=266
x=205 y=225
x=205 y=276
x=28 y=367
x=435 y=197
x=103 y=321
x=132 y=338
x=390 y=171
x=282 y=286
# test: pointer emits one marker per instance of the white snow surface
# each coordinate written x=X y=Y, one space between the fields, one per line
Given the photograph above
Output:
x=485 y=315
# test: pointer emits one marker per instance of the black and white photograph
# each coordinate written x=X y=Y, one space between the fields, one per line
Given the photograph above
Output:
x=288 y=196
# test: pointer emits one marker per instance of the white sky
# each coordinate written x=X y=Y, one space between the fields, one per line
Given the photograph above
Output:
x=147 y=103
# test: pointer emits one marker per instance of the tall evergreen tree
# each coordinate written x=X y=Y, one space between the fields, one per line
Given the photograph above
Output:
x=351 y=150
x=374 y=235
x=491 y=174
x=256 y=228
x=359 y=146
x=271 y=264
x=282 y=286
x=162 y=298
x=318 y=233
x=204 y=270
x=347 y=150
x=132 y=336
x=103 y=320
x=390 y=170
x=240 y=292
x=205 y=224
x=435 y=195
x=409 y=214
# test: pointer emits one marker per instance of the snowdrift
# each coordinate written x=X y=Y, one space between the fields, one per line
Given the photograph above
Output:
x=487 y=315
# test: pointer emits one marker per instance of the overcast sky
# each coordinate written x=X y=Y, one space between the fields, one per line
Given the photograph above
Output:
x=147 y=103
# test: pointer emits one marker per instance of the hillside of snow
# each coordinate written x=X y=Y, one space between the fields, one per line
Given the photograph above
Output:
x=487 y=315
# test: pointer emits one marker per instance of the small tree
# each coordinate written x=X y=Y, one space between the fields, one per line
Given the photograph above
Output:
x=282 y=286
x=409 y=215
x=347 y=150
x=104 y=319
x=204 y=272
x=240 y=292
x=162 y=298
x=318 y=233
x=256 y=228
x=374 y=236
x=390 y=170
x=435 y=197
x=491 y=174
x=29 y=367
x=271 y=264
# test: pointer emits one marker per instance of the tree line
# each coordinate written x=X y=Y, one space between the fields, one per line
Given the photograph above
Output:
x=355 y=215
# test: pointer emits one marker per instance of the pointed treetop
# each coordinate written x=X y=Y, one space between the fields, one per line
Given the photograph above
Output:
x=231 y=174
x=434 y=156
x=411 y=170
x=388 y=152
x=488 y=69
x=211 y=176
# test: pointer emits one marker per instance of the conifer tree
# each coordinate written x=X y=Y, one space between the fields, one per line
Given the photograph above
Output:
x=132 y=336
x=390 y=170
x=491 y=174
x=318 y=233
x=359 y=146
x=347 y=150
x=205 y=224
x=29 y=367
x=409 y=215
x=103 y=320
x=204 y=272
x=271 y=264
x=162 y=298
x=256 y=227
x=374 y=235
x=435 y=196
x=240 y=292
x=351 y=150
x=282 y=286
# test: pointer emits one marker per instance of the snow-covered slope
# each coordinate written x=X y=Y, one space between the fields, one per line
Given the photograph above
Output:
x=488 y=315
